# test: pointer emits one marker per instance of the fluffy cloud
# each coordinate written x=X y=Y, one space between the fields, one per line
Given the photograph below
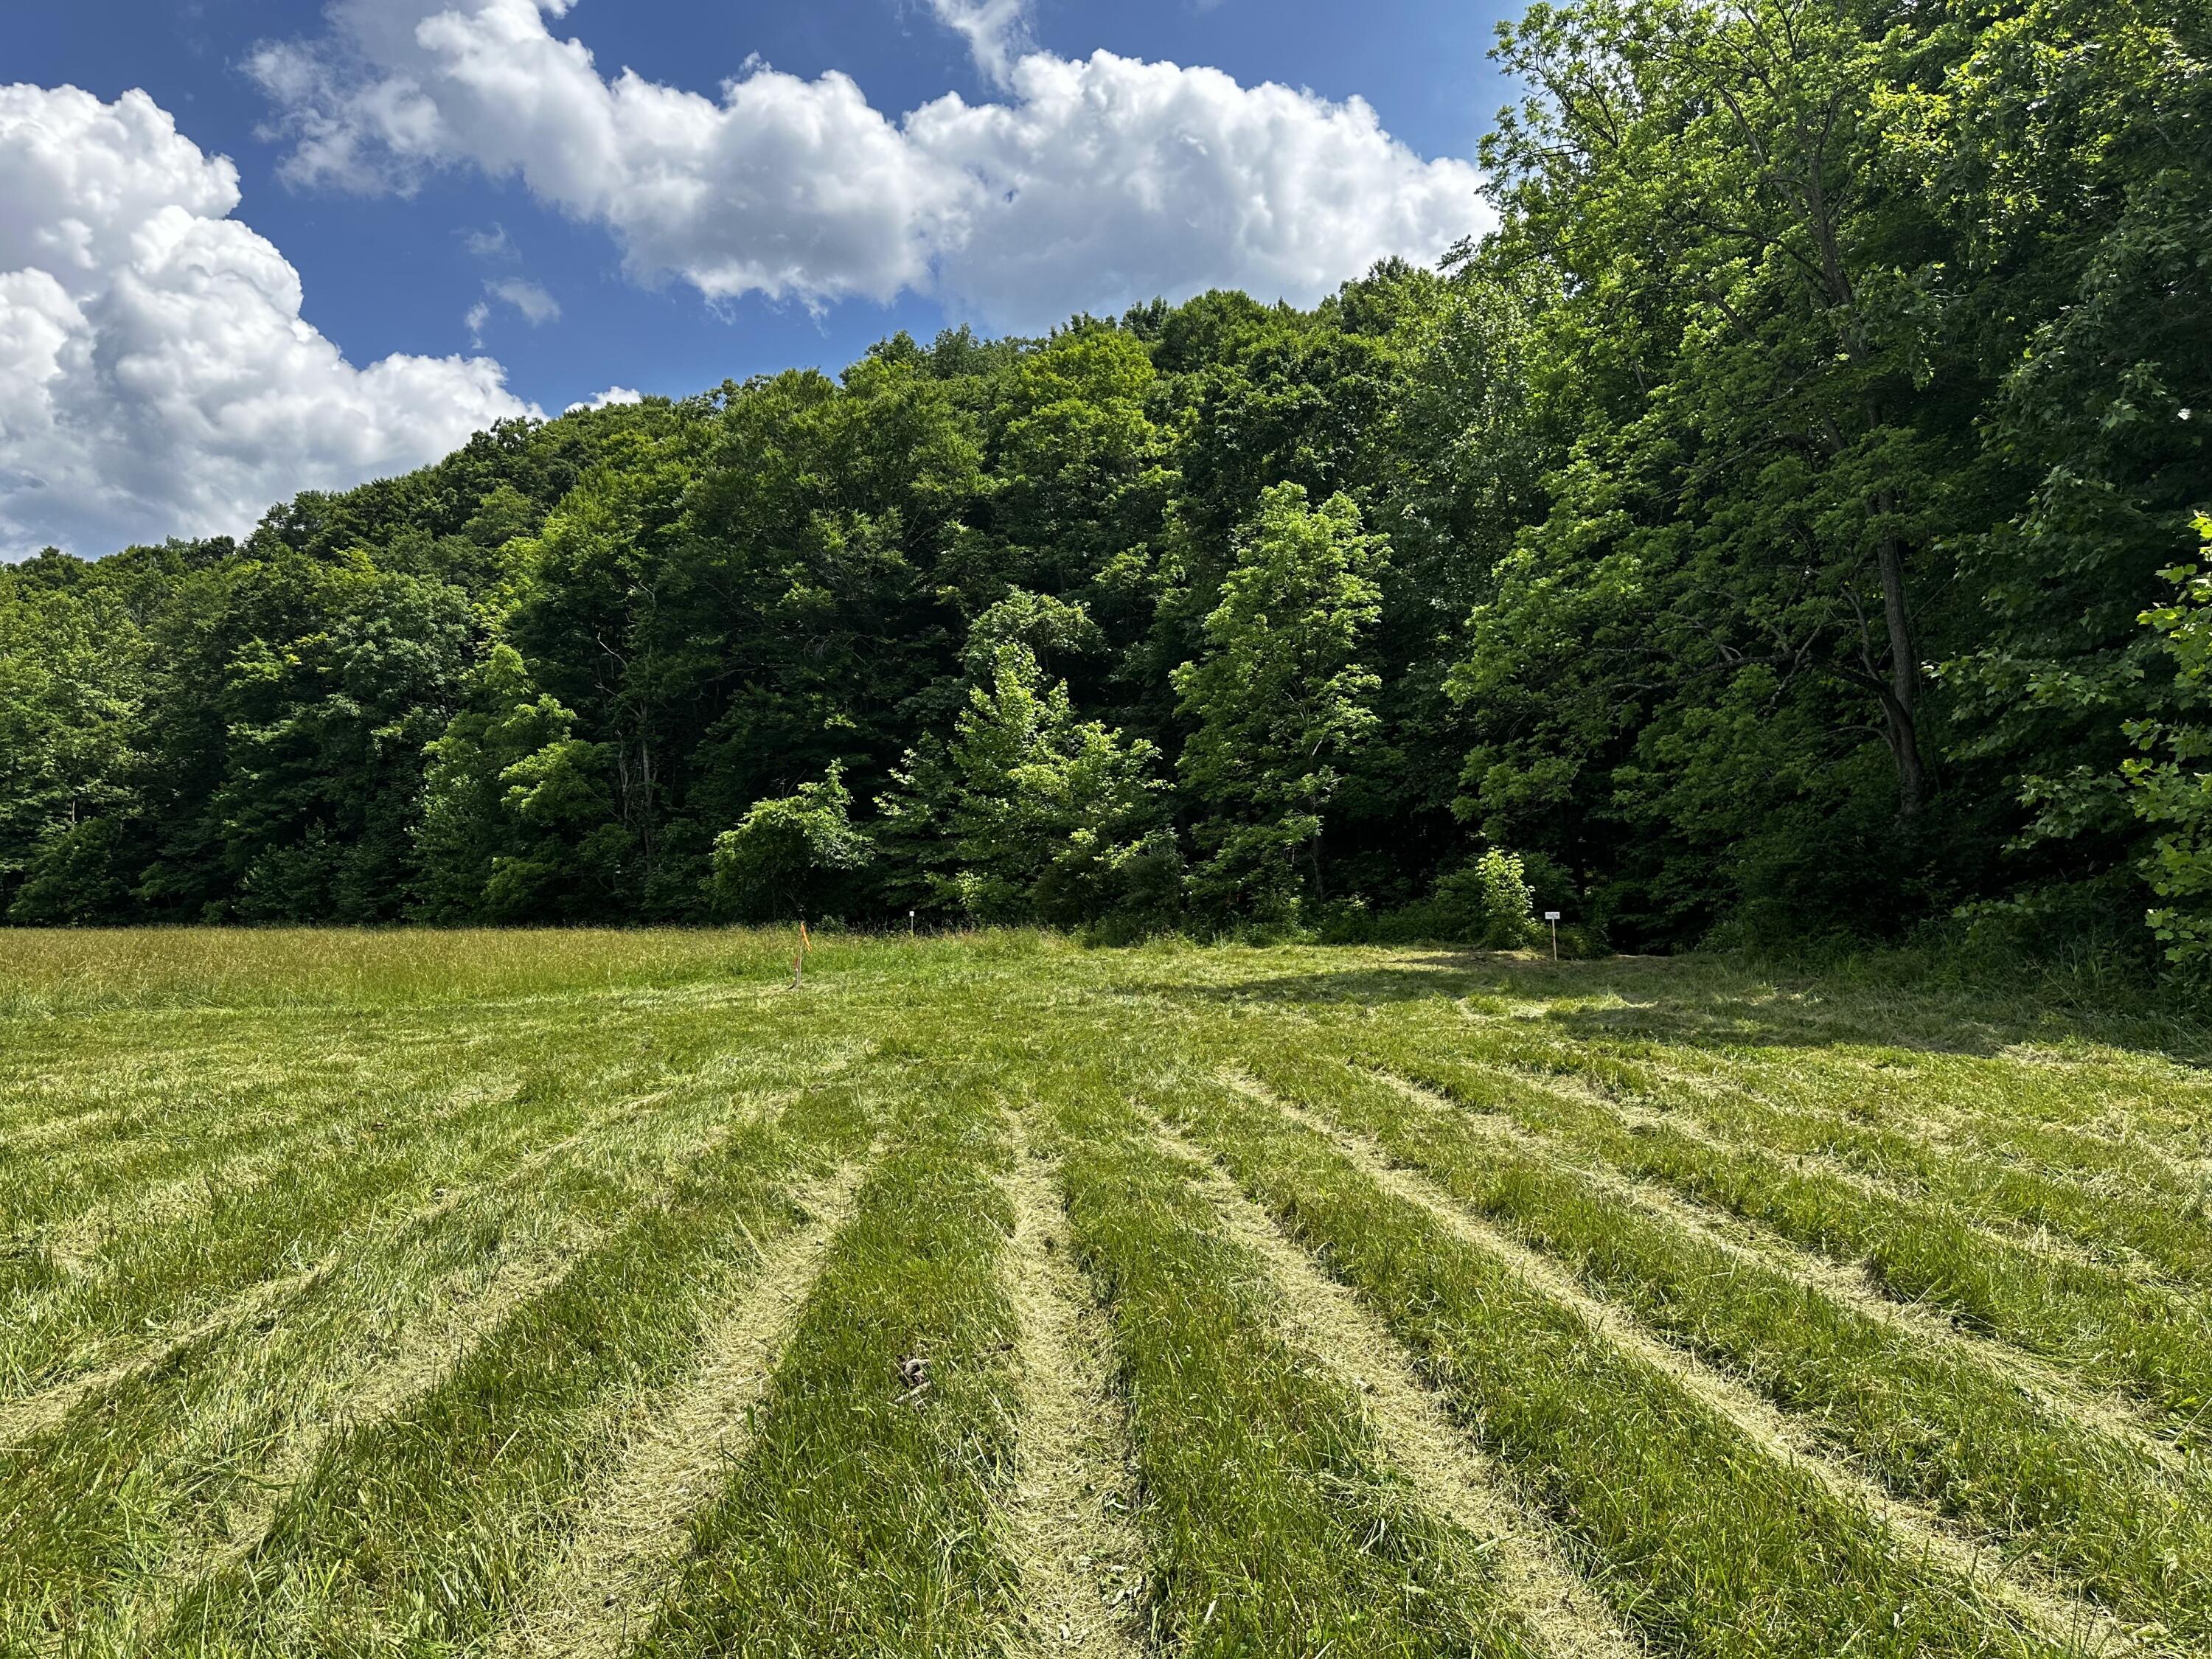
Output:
x=1108 y=181
x=996 y=31
x=1096 y=183
x=156 y=375
x=614 y=397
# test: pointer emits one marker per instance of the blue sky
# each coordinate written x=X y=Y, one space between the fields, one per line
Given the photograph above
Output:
x=494 y=198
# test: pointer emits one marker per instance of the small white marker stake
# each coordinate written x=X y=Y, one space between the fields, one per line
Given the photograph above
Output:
x=1552 y=916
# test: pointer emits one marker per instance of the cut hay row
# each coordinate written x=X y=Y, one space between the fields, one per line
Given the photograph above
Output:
x=1997 y=1161
x=1019 y=1302
x=1450 y=1471
x=2134 y=1117
x=1071 y=1513
x=175 y=1461
x=422 y=1527
x=631 y=1531
x=1448 y=1139
x=2097 y=1322
x=1275 y=1521
x=2143 y=1221
x=1938 y=1417
x=1946 y=1413
x=184 y=1456
x=197 y=1266
x=861 y=1519
x=1794 y=1438
x=1666 y=1477
x=59 y=1321
x=31 y=1415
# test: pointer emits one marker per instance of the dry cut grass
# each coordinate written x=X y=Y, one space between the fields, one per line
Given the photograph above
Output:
x=597 y=1295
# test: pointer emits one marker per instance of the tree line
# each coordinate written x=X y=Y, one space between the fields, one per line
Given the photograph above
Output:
x=1787 y=525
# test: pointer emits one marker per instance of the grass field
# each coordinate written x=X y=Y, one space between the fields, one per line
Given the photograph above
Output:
x=535 y=1294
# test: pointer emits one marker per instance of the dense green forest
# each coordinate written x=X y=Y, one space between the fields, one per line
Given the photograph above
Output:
x=1784 y=528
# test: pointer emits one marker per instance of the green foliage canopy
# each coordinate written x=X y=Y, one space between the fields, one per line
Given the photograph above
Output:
x=1771 y=531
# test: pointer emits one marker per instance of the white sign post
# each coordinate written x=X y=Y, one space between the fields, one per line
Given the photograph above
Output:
x=1552 y=916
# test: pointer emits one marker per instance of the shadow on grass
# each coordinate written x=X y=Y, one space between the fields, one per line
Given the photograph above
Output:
x=1713 y=1003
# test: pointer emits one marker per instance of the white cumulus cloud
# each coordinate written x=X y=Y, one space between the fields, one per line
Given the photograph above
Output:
x=1094 y=183
x=156 y=377
x=614 y=397
x=997 y=31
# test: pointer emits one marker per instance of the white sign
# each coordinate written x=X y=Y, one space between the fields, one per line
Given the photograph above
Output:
x=1551 y=915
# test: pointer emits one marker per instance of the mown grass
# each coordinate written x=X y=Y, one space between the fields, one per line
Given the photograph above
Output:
x=2122 y=1197
x=418 y=1528
x=2093 y=1317
x=1280 y=1528
x=1701 y=1539
x=861 y=1522
x=340 y=1272
x=151 y=1470
x=1934 y=1422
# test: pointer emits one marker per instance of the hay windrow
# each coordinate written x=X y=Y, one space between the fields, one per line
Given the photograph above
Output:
x=1747 y=1241
x=2069 y=1621
x=479 y=1295
x=630 y=1533
x=1071 y=1514
x=1452 y=1476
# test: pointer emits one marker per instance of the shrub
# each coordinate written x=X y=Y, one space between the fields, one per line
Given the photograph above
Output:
x=1490 y=903
x=792 y=856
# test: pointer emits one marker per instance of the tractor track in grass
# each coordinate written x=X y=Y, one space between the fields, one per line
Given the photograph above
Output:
x=1072 y=1511
x=2066 y=1620
x=1452 y=1477
x=2104 y=1413
x=630 y=1533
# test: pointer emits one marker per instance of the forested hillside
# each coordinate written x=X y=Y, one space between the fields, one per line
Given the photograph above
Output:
x=1786 y=526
